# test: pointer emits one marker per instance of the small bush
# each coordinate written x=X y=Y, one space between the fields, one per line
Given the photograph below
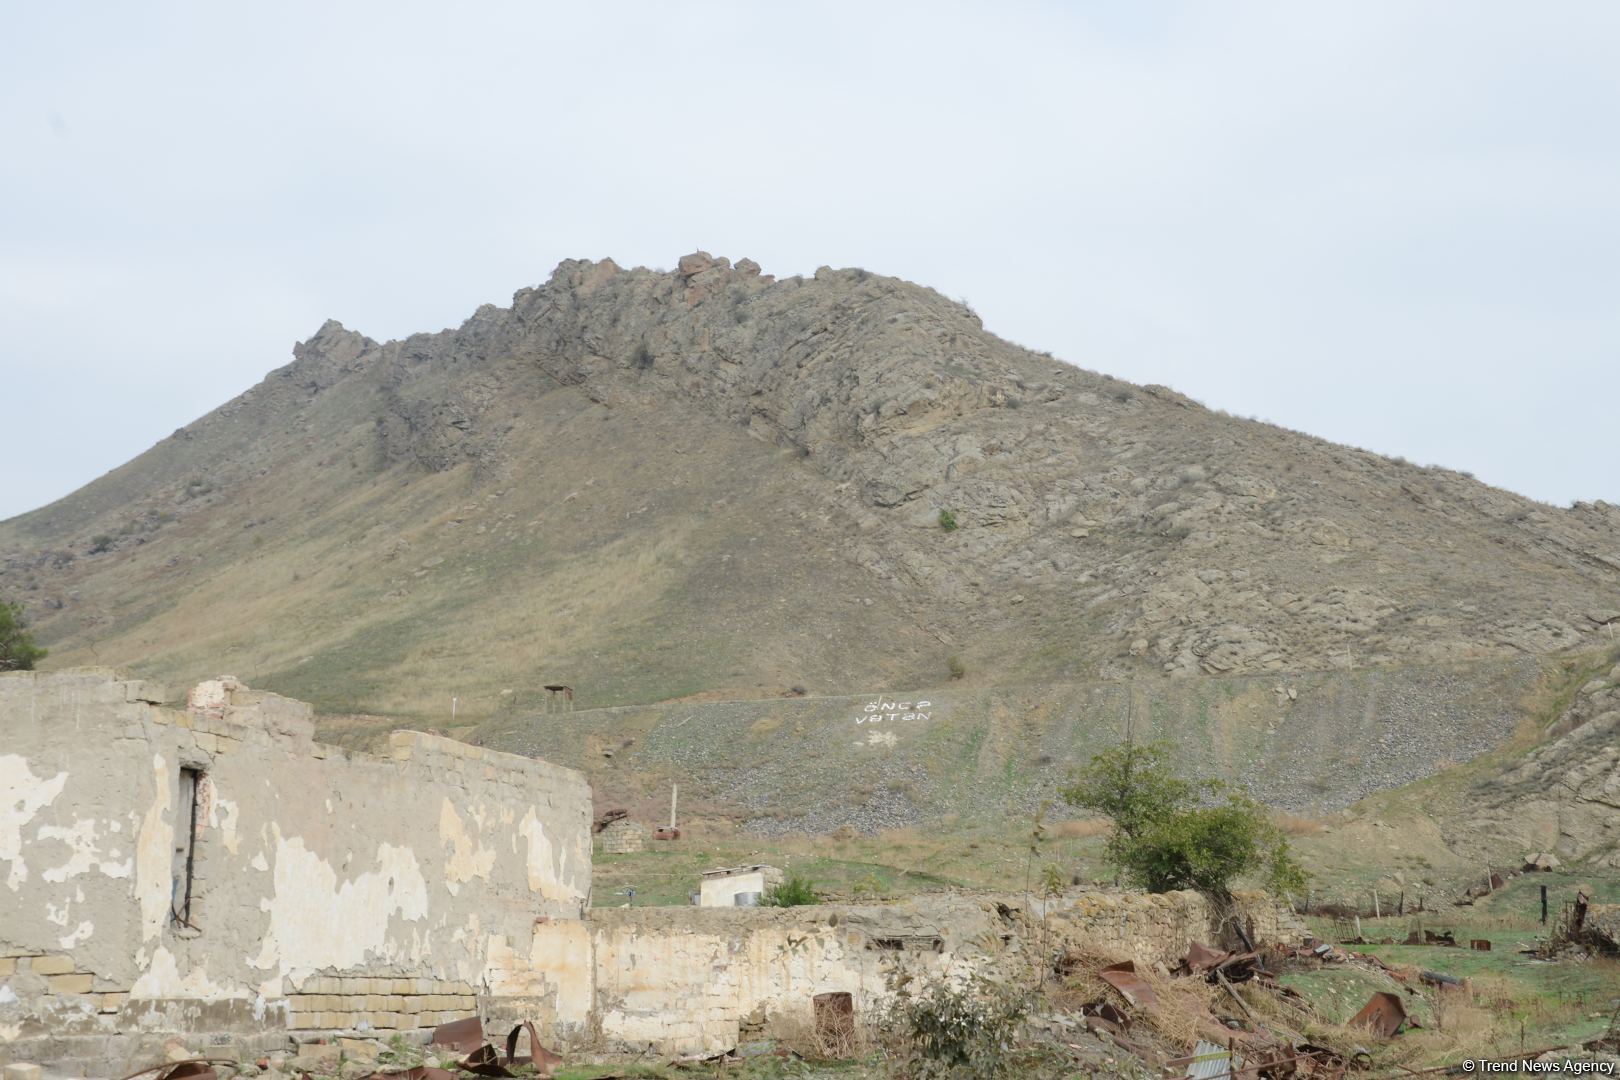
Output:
x=17 y=649
x=795 y=891
x=954 y=665
x=942 y=1030
x=642 y=357
x=100 y=543
x=947 y=520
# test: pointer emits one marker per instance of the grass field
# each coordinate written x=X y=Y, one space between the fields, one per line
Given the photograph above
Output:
x=1514 y=1002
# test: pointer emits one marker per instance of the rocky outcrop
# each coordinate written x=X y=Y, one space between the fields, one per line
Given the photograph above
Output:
x=1228 y=545
x=1564 y=796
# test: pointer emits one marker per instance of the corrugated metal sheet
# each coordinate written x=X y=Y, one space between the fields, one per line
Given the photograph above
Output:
x=1211 y=1062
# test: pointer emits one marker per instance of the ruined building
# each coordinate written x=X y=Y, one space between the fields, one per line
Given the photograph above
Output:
x=212 y=871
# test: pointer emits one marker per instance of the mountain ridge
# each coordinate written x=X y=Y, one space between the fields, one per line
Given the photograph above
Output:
x=709 y=481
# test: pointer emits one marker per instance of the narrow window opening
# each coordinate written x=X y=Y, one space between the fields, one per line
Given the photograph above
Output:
x=185 y=845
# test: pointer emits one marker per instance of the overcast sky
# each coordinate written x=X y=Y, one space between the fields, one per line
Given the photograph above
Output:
x=1395 y=225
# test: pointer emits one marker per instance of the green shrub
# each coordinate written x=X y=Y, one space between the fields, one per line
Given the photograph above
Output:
x=100 y=543
x=17 y=649
x=961 y=1031
x=954 y=665
x=1170 y=833
x=947 y=520
x=794 y=891
x=642 y=357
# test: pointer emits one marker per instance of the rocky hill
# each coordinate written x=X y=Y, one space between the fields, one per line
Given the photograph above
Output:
x=1563 y=795
x=713 y=484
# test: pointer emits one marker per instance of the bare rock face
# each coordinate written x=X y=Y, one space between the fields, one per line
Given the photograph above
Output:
x=1564 y=796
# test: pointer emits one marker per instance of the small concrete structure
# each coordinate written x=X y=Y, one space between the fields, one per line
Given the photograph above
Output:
x=720 y=888
x=623 y=837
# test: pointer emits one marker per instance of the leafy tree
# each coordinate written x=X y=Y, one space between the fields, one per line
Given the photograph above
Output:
x=1130 y=785
x=1170 y=833
x=17 y=649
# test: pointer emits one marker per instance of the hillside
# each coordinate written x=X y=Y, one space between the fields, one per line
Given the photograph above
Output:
x=712 y=484
x=1312 y=742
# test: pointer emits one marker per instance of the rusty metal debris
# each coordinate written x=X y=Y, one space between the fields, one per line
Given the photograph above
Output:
x=666 y=832
x=420 y=1072
x=482 y=1059
x=1444 y=982
x=464 y=1035
x=1384 y=1014
x=1480 y=944
x=1201 y=958
x=1112 y=1017
x=608 y=817
x=1273 y=1061
x=200 y=1068
x=1123 y=977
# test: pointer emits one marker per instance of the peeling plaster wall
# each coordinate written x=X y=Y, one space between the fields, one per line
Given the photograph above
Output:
x=330 y=889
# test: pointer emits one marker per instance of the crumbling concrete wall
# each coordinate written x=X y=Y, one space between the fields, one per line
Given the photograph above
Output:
x=681 y=980
x=328 y=889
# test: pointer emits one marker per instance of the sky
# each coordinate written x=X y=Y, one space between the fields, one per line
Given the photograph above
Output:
x=1389 y=224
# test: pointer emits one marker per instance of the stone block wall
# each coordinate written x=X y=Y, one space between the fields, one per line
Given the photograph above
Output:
x=623 y=837
x=327 y=889
x=385 y=1004
x=1157 y=928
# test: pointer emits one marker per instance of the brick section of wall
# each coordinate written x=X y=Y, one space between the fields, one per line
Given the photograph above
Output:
x=623 y=838
x=341 y=1004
